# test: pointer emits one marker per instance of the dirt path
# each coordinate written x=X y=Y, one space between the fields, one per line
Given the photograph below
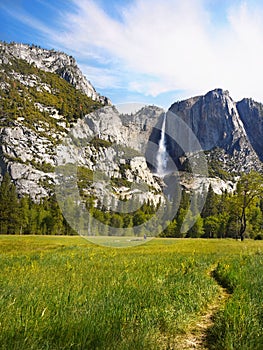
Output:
x=197 y=336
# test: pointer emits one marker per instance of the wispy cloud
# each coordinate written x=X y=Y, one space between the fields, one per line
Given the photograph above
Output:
x=102 y=78
x=156 y=46
x=175 y=44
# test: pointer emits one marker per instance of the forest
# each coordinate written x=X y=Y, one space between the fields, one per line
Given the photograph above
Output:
x=236 y=215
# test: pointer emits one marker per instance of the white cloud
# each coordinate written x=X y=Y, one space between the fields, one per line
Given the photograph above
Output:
x=160 y=46
x=154 y=39
x=175 y=44
x=101 y=77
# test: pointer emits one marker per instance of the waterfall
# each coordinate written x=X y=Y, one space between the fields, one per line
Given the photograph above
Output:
x=161 y=158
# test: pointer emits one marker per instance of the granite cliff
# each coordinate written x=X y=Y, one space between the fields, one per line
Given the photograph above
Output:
x=251 y=114
x=51 y=61
x=52 y=115
x=227 y=131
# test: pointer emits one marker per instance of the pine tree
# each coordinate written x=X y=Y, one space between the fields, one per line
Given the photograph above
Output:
x=209 y=208
x=197 y=230
x=9 y=207
x=24 y=214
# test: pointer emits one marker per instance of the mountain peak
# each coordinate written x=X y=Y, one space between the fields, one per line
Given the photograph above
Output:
x=52 y=61
x=218 y=122
x=217 y=93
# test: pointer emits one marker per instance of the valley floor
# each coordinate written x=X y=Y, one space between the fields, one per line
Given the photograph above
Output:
x=67 y=293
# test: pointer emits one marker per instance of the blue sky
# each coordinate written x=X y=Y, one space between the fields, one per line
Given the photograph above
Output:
x=149 y=51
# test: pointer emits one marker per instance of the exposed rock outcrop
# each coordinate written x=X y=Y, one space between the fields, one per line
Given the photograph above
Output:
x=101 y=143
x=131 y=130
x=36 y=117
x=54 y=62
x=251 y=114
x=217 y=124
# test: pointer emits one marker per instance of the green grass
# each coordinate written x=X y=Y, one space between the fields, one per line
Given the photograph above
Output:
x=67 y=293
x=240 y=324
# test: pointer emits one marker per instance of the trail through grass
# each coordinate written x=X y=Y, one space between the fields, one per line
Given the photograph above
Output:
x=66 y=293
x=197 y=337
x=240 y=324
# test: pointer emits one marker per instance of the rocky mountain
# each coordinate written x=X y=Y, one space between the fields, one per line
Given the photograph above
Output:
x=51 y=61
x=251 y=114
x=230 y=133
x=51 y=116
x=109 y=148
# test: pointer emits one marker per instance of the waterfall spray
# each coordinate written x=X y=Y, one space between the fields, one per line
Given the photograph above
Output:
x=161 y=158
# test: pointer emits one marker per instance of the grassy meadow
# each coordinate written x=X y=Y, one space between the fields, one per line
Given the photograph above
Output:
x=67 y=293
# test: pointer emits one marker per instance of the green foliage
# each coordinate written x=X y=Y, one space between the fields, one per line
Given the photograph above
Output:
x=120 y=181
x=220 y=218
x=98 y=143
x=126 y=152
x=197 y=230
x=215 y=166
x=215 y=169
x=124 y=216
x=210 y=207
x=170 y=230
x=248 y=193
x=85 y=178
x=10 y=214
x=45 y=167
x=123 y=168
x=212 y=226
x=82 y=296
x=23 y=216
x=19 y=100
x=239 y=325
x=227 y=215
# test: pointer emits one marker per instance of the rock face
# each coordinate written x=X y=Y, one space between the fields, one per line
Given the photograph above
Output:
x=111 y=147
x=29 y=159
x=99 y=142
x=218 y=123
x=251 y=114
x=45 y=122
x=54 y=62
x=131 y=130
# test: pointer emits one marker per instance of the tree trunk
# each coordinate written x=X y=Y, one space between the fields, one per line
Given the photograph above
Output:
x=243 y=224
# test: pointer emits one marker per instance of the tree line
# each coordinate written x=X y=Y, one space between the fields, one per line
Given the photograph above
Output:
x=24 y=216
x=236 y=214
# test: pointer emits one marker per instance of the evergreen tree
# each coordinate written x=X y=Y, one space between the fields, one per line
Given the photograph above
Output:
x=171 y=229
x=180 y=219
x=210 y=206
x=9 y=207
x=211 y=226
x=25 y=203
x=197 y=230
x=116 y=221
